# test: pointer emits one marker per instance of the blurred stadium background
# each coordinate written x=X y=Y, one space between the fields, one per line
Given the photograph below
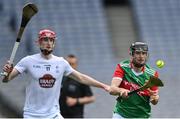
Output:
x=99 y=32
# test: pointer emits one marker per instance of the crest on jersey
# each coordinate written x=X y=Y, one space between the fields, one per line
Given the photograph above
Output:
x=47 y=81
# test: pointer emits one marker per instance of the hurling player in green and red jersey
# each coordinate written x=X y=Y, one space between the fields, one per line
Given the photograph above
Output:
x=130 y=75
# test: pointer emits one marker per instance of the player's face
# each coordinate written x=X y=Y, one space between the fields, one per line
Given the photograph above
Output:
x=139 y=58
x=47 y=43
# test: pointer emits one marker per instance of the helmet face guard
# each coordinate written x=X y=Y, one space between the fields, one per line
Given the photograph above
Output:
x=138 y=46
x=46 y=33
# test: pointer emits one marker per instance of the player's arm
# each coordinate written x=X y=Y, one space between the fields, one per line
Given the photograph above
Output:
x=154 y=97
x=85 y=79
x=12 y=72
x=154 y=92
x=116 y=81
x=116 y=90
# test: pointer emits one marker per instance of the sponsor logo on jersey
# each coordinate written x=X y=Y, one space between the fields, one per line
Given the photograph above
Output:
x=47 y=81
x=132 y=86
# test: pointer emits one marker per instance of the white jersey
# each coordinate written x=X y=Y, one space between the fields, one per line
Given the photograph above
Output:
x=43 y=91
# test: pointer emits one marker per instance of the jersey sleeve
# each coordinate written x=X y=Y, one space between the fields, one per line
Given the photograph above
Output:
x=119 y=72
x=68 y=68
x=21 y=66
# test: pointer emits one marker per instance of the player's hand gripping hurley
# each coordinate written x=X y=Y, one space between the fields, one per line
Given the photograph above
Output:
x=29 y=10
x=153 y=81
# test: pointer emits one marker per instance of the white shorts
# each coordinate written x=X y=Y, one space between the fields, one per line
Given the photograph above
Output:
x=117 y=116
x=56 y=116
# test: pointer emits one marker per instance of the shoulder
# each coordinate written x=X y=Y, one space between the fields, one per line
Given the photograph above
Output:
x=25 y=61
x=59 y=59
x=150 y=70
x=32 y=56
x=62 y=63
x=26 y=58
x=125 y=63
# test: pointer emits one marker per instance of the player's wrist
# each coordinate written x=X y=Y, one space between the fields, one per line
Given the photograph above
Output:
x=154 y=100
x=154 y=96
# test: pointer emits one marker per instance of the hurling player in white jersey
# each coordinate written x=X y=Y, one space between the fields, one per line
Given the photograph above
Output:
x=46 y=71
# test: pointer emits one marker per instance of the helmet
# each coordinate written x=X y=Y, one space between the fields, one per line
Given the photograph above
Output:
x=138 y=46
x=46 y=33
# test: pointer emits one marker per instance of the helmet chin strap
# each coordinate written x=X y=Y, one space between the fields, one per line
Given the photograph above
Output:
x=45 y=51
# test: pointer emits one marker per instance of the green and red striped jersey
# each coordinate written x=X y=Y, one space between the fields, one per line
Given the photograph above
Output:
x=138 y=104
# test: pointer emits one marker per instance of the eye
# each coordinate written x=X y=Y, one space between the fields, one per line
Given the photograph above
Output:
x=51 y=39
x=138 y=52
x=144 y=53
x=45 y=39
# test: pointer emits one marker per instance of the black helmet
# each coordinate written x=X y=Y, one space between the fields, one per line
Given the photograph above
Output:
x=138 y=46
